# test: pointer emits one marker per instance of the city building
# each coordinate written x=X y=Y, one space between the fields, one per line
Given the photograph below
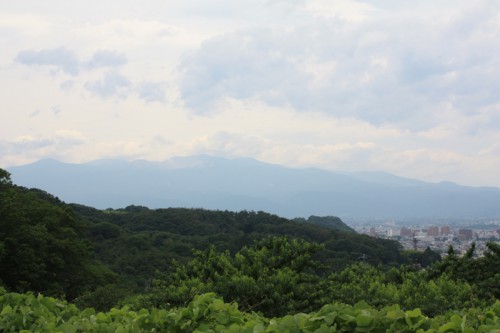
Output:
x=445 y=230
x=433 y=232
x=405 y=232
x=464 y=234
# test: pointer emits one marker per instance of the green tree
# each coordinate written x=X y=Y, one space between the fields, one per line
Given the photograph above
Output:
x=422 y=259
x=274 y=276
x=5 y=178
x=43 y=245
x=481 y=273
x=435 y=296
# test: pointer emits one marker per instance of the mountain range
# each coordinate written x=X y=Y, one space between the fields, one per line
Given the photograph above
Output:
x=247 y=184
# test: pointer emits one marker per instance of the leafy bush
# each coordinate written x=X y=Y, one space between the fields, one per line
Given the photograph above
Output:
x=208 y=313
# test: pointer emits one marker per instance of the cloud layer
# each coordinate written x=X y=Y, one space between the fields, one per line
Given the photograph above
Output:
x=402 y=70
x=409 y=88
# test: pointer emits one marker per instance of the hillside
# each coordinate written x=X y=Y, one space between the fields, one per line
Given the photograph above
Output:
x=137 y=241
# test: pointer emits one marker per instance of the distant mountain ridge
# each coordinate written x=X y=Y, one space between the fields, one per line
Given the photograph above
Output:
x=247 y=184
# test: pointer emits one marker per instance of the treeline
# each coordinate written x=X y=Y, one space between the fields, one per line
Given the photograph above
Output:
x=163 y=258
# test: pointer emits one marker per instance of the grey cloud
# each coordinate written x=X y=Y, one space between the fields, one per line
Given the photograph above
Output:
x=240 y=65
x=106 y=58
x=272 y=66
x=115 y=84
x=385 y=71
x=152 y=91
x=112 y=84
x=60 y=58
x=65 y=60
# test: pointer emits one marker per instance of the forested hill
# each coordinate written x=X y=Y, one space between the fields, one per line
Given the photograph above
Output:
x=137 y=240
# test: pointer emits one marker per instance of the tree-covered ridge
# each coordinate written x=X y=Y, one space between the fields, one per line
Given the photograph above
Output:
x=124 y=238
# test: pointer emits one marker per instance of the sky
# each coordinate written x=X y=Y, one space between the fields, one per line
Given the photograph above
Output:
x=407 y=87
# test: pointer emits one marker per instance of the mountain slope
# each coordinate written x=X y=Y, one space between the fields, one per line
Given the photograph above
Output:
x=247 y=184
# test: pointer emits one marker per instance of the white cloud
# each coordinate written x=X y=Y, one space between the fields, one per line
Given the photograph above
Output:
x=131 y=34
x=27 y=24
x=224 y=144
x=346 y=10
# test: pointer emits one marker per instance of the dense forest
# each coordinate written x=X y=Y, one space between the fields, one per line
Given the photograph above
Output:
x=72 y=268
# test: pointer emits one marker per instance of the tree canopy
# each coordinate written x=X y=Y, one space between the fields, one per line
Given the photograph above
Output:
x=43 y=245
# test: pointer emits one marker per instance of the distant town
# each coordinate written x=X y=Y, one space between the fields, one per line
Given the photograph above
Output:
x=436 y=236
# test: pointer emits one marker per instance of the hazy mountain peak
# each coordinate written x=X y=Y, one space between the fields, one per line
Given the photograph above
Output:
x=247 y=184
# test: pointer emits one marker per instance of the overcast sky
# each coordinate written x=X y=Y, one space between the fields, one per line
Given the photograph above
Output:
x=407 y=87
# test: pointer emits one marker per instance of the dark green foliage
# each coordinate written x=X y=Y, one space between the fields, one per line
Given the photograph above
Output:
x=332 y=222
x=104 y=297
x=274 y=276
x=483 y=273
x=144 y=240
x=278 y=277
x=105 y=231
x=405 y=286
x=43 y=246
x=421 y=259
x=5 y=178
